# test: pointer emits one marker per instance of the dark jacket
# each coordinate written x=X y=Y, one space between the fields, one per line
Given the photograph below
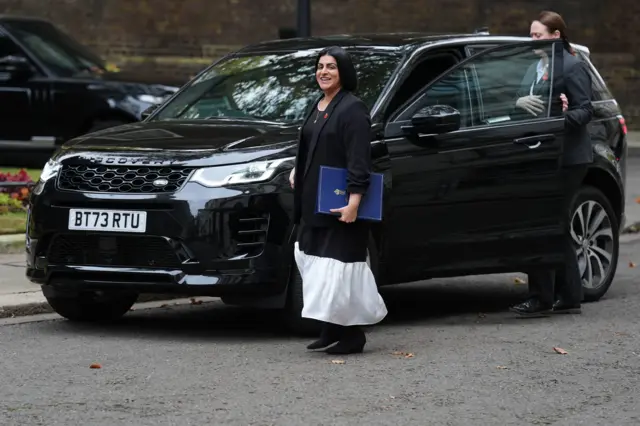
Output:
x=344 y=140
x=577 y=86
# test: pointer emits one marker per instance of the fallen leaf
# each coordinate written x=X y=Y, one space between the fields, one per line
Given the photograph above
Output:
x=632 y=265
x=560 y=351
x=164 y=306
x=95 y=366
x=337 y=361
x=638 y=200
x=502 y=367
x=519 y=280
x=196 y=302
x=402 y=354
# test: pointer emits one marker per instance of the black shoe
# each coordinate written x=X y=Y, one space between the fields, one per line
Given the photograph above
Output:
x=532 y=308
x=351 y=342
x=330 y=334
x=560 y=307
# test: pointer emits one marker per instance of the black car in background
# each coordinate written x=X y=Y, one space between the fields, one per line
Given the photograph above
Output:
x=53 y=89
x=196 y=199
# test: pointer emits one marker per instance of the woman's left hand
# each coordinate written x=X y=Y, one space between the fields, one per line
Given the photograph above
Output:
x=348 y=213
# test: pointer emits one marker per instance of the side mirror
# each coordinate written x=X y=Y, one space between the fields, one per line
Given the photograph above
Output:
x=16 y=66
x=147 y=112
x=434 y=119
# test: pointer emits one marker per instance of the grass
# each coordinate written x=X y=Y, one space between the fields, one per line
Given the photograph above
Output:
x=13 y=223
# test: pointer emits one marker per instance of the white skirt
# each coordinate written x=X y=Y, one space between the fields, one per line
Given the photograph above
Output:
x=338 y=292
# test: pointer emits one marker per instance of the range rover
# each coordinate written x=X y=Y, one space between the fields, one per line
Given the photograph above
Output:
x=195 y=199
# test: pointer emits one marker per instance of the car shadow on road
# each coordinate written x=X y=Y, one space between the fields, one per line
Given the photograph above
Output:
x=433 y=303
x=442 y=302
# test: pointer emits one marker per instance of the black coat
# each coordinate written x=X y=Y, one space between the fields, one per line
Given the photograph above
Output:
x=343 y=140
x=577 y=86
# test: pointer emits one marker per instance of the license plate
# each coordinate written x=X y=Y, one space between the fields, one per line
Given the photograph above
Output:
x=107 y=220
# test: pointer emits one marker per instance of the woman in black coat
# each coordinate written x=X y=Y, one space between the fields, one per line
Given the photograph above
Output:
x=339 y=288
x=560 y=291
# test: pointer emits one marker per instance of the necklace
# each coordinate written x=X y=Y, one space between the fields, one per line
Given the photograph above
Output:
x=317 y=115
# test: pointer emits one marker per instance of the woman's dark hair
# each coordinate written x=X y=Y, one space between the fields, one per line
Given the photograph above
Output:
x=554 y=22
x=348 y=75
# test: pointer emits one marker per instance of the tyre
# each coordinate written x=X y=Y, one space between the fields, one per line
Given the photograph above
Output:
x=90 y=306
x=595 y=234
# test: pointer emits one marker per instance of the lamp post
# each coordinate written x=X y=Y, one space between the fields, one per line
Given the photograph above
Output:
x=304 y=18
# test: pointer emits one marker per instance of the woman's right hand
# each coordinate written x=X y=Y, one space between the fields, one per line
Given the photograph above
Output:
x=292 y=176
x=565 y=102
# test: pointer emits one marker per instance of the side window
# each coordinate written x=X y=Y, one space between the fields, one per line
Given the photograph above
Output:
x=452 y=90
x=425 y=71
x=8 y=47
x=510 y=83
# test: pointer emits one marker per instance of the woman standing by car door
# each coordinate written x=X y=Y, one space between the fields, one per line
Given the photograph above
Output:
x=560 y=291
x=339 y=288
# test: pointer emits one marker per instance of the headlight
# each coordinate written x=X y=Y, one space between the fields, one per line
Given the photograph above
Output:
x=49 y=171
x=259 y=171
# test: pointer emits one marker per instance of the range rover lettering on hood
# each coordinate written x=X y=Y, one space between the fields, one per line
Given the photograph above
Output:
x=128 y=161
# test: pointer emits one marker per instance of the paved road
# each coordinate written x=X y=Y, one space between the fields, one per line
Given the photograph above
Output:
x=472 y=364
x=633 y=190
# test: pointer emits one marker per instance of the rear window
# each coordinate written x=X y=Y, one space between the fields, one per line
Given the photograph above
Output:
x=598 y=86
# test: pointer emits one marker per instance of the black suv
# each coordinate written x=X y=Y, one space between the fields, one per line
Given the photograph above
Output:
x=196 y=198
x=53 y=89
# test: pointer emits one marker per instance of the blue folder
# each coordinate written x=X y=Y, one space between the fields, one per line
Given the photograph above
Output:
x=332 y=194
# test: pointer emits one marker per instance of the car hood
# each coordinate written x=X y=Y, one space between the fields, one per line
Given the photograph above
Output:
x=209 y=142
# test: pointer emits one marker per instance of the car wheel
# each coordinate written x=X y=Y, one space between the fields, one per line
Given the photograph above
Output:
x=595 y=234
x=91 y=306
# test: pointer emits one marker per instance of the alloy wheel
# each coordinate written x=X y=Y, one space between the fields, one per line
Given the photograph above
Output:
x=592 y=234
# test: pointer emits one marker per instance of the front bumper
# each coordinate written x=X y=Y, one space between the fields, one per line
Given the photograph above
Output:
x=198 y=241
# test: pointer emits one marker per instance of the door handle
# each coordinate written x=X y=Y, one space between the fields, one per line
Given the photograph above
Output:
x=533 y=142
x=534 y=146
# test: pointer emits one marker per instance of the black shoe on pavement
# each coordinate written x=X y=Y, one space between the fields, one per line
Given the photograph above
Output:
x=351 y=342
x=329 y=335
x=532 y=308
x=560 y=307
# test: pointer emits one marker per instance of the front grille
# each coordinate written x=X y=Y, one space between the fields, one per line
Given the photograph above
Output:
x=122 y=179
x=104 y=250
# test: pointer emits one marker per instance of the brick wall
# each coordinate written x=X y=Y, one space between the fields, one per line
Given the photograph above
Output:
x=176 y=38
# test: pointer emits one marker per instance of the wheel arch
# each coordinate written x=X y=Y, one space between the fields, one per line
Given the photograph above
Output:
x=604 y=181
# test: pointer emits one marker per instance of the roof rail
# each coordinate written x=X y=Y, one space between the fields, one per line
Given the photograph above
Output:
x=482 y=30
